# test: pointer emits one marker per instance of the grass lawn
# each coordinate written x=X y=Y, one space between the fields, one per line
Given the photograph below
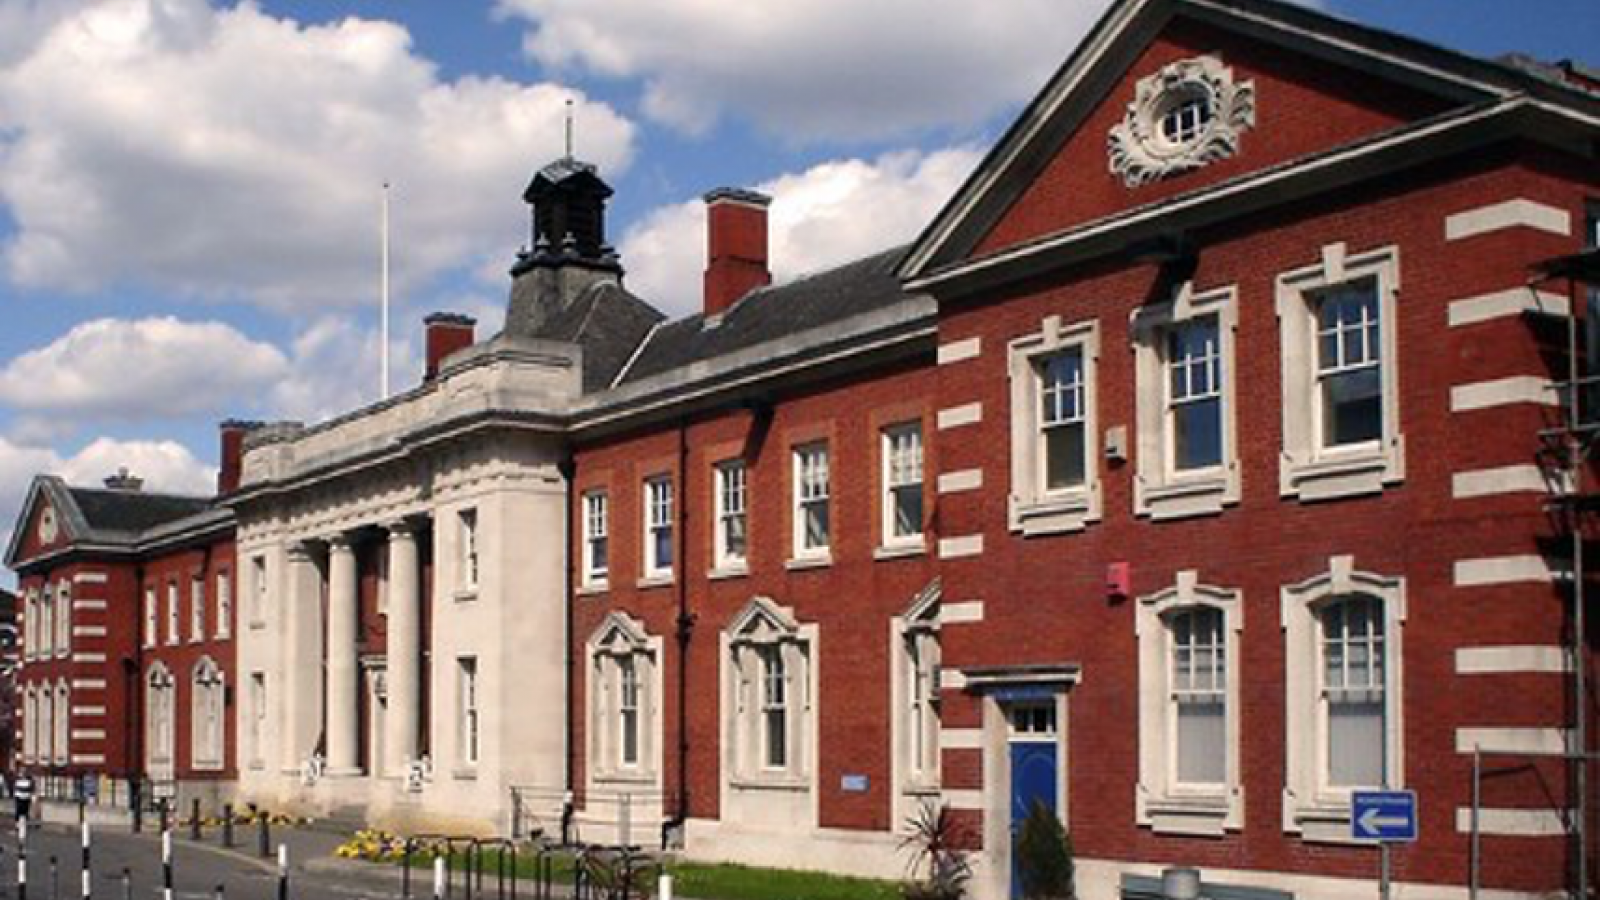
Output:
x=706 y=881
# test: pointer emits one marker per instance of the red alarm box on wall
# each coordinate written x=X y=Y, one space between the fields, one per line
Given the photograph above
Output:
x=1118 y=581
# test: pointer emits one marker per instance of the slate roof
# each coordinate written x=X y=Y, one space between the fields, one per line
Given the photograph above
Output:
x=608 y=323
x=133 y=511
x=774 y=312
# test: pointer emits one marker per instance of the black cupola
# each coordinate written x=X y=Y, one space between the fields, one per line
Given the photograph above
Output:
x=569 y=217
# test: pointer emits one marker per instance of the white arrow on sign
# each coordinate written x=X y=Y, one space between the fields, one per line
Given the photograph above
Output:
x=1373 y=821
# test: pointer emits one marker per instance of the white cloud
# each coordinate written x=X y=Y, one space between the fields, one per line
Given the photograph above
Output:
x=226 y=153
x=814 y=70
x=335 y=368
x=127 y=370
x=827 y=215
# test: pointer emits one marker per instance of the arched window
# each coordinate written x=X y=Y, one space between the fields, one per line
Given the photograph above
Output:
x=623 y=700
x=160 y=708
x=1352 y=666
x=62 y=723
x=769 y=666
x=208 y=731
x=1342 y=633
x=1188 y=637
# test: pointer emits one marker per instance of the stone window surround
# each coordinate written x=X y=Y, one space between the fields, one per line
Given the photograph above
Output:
x=1311 y=808
x=1160 y=491
x=619 y=634
x=1033 y=510
x=161 y=725
x=1162 y=804
x=1307 y=470
x=224 y=625
x=208 y=752
x=764 y=623
x=921 y=616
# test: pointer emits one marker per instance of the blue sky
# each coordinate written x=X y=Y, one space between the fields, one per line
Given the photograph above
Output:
x=189 y=190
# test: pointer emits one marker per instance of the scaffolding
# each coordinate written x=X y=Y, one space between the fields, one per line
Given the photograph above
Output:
x=1567 y=455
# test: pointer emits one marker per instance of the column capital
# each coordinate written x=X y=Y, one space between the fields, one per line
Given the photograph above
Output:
x=403 y=528
x=341 y=542
x=299 y=551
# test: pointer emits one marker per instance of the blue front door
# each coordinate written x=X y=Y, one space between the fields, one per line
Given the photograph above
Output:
x=1034 y=775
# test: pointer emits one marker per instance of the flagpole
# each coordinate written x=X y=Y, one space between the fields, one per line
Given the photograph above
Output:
x=383 y=379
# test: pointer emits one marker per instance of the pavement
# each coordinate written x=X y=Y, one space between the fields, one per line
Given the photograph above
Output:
x=126 y=865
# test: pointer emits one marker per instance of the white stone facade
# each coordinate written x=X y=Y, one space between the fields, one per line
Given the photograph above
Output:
x=431 y=733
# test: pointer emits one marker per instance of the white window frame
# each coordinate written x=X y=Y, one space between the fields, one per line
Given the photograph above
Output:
x=1307 y=469
x=224 y=627
x=1033 y=509
x=897 y=472
x=61 y=743
x=914 y=648
x=46 y=632
x=764 y=627
x=152 y=616
x=1160 y=489
x=30 y=624
x=1311 y=807
x=161 y=728
x=174 y=613
x=258 y=719
x=208 y=728
x=30 y=724
x=809 y=461
x=63 y=618
x=197 y=608
x=1163 y=803
x=660 y=515
x=469 y=701
x=596 y=529
x=730 y=500
x=619 y=641
x=469 y=543
x=259 y=588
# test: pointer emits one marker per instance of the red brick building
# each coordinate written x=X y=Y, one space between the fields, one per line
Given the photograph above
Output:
x=1242 y=385
x=127 y=633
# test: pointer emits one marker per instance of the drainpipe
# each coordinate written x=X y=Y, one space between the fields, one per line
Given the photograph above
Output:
x=133 y=719
x=568 y=469
x=685 y=629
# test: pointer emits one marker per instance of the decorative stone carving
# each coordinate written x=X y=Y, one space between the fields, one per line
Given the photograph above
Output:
x=1187 y=115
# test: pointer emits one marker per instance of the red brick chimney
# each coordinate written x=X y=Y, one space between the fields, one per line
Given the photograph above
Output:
x=736 y=234
x=230 y=457
x=447 y=333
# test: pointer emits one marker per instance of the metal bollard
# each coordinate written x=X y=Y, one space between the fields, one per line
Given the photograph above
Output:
x=86 y=886
x=196 y=827
x=438 y=878
x=220 y=893
x=227 y=825
x=263 y=836
x=664 y=887
x=22 y=858
x=55 y=879
x=165 y=816
x=283 y=872
x=127 y=885
x=166 y=864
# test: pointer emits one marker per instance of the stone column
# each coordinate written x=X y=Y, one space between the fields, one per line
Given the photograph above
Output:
x=344 y=672
x=301 y=646
x=404 y=664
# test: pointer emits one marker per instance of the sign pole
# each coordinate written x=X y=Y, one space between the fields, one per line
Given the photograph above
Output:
x=1383 y=871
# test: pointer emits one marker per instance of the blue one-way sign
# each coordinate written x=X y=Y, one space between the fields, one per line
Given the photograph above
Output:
x=1388 y=816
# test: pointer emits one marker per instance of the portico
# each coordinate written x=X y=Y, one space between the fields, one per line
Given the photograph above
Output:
x=403 y=623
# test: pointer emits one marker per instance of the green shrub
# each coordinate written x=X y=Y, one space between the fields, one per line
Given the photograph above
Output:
x=1044 y=857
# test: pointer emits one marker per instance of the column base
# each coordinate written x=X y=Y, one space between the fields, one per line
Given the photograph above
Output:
x=343 y=772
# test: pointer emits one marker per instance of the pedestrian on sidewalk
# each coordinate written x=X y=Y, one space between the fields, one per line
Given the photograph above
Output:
x=22 y=792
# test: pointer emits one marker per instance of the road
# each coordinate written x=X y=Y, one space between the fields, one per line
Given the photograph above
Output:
x=198 y=868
